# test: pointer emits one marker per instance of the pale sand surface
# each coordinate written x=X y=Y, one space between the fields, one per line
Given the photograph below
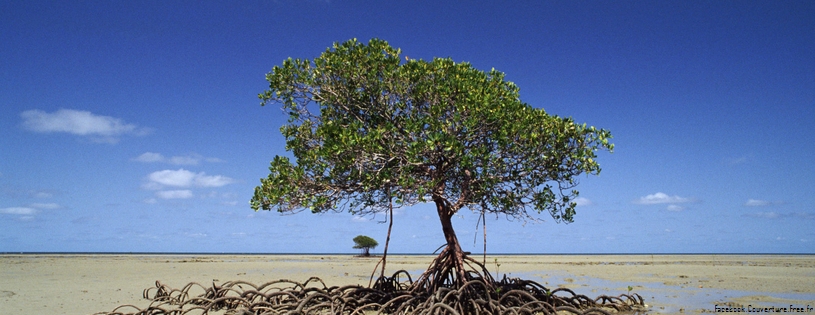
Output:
x=670 y=284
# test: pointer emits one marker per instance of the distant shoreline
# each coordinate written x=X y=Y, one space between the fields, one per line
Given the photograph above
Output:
x=400 y=254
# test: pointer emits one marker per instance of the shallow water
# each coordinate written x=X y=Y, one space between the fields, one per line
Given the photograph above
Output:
x=673 y=299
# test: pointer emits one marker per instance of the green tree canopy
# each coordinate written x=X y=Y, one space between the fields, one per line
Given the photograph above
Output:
x=366 y=127
x=365 y=243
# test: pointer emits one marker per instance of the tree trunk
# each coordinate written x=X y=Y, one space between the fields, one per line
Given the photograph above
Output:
x=445 y=214
x=387 y=240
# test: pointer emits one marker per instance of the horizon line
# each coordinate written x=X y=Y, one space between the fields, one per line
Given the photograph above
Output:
x=375 y=255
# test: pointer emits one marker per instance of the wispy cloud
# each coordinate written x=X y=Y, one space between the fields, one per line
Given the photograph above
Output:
x=776 y=215
x=45 y=205
x=675 y=208
x=185 y=178
x=184 y=160
x=103 y=129
x=18 y=210
x=202 y=180
x=177 y=178
x=149 y=157
x=764 y=215
x=176 y=184
x=191 y=159
x=581 y=202
x=661 y=198
x=29 y=210
x=41 y=194
x=22 y=193
x=756 y=203
x=174 y=194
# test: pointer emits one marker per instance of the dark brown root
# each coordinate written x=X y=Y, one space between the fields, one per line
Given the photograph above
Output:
x=443 y=289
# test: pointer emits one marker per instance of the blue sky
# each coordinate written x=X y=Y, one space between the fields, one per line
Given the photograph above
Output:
x=135 y=126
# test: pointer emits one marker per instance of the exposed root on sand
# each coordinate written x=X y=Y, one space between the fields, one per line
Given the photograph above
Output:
x=314 y=297
x=397 y=294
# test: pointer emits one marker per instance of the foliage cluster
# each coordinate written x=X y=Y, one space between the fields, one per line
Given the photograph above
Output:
x=366 y=128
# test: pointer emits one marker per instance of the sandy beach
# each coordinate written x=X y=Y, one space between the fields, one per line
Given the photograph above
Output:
x=670 y=284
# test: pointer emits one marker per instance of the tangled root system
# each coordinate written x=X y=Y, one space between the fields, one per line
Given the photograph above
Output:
x=454 y=284
x=390 y=295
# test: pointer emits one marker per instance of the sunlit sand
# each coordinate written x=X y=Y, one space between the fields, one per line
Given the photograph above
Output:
x=670 y=284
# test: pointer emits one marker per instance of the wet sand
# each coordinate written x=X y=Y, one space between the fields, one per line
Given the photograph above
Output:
x=670 y=284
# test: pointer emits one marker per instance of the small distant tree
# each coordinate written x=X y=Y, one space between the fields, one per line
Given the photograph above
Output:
x=365 y=243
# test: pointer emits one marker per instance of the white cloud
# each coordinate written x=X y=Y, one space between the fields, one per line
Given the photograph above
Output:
x=184 y=178
x=81 y=123
x=580 y=201
x=184 y=160
x=149 y=157
x=44 y=205
x=203 y=180
x=659 y=198
x=174 y=194
x=757 y=203
x=675 y=208
x=190 y=159
x=30 y=209
x=178 y=178
x=18 y=210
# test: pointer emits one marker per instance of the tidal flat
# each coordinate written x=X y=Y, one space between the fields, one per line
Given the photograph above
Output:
x=670 y=284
